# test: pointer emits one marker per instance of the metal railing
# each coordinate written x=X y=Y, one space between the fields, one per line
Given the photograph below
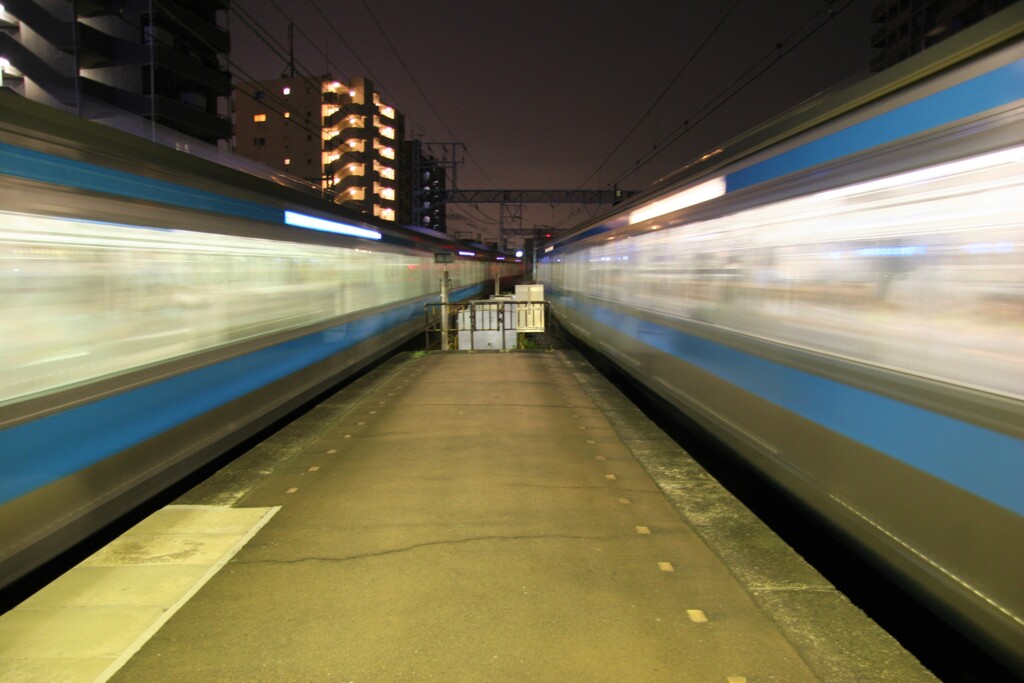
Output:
x=491 y=325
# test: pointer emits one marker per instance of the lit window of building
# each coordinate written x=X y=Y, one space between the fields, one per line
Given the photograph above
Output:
x=352 y=123
x=383 y=212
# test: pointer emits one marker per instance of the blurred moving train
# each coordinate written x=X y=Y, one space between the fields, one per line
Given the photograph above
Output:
x=157 y=309
x=838 y=296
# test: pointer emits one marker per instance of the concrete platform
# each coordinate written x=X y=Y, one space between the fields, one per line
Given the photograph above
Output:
x=469 y=517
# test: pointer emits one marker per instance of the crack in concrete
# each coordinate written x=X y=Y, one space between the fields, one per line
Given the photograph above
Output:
x=417 y=546
x=581 y=488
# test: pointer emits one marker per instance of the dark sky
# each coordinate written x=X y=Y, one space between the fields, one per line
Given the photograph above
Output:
x=542 y=91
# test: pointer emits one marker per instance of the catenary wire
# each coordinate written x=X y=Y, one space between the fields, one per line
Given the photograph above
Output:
x=724 y=95
x=769 y=60
x=664 y=92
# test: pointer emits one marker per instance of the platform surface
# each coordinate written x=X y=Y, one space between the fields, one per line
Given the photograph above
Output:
x=491 y=517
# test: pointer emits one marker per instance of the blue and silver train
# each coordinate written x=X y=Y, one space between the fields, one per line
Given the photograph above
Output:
x=157 y=309
x=838 y=296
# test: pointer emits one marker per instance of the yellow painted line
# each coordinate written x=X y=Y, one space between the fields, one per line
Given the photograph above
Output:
x=600 y=457
x=625 y=501
x=610 y=477
x=372 y=412
x=348 y=436
x=291 y=490
x=360 y=423
x=666 y=567
x=581 y=428
x=697 y=616
x=735 y=679
x=643 y=530
x=313 y=469
x=333 y=450
x=591 y=442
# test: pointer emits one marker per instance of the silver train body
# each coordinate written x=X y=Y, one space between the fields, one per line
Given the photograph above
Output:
x=157 y=309
x=838 y=296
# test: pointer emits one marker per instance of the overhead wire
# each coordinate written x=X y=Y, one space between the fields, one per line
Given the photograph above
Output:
x=334 y=29
x=366 y=68
x=664 y=91
x=313 y=43
x=416 y=83
x=724 y=95
x=771 y=58
x=246 y=15
x=304 y=73
x=235 y=69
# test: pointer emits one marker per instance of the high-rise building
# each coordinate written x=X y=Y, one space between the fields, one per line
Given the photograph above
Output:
x=133 y=65
x=910 y=26
x=341 y=138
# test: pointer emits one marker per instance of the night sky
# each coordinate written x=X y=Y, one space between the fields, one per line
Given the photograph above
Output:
x=542 y=91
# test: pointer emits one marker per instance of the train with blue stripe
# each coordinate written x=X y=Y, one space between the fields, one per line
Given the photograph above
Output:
x=156 y=309
x=838 y=297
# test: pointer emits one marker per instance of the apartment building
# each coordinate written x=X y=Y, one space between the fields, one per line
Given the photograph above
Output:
x=133 y=65
x=338 y=136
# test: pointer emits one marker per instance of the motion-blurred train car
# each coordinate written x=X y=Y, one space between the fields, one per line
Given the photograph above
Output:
x=838 y=296
x=157 y=309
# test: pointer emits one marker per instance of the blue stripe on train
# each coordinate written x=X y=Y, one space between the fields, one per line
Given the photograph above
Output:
x=986 y=463
x=988 y=91
x=37 y=453
x=994 y=89
x=32 y=165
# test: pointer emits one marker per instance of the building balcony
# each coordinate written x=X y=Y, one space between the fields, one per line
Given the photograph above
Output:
x=345 y=166
x=173 y=113
x=344 y=117
x=49 y=27
x=59 y=85
x=878 y=39
x=351 y=145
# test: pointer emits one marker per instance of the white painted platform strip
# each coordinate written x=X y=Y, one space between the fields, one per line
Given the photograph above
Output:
x=85 y=625
x=268 y=514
